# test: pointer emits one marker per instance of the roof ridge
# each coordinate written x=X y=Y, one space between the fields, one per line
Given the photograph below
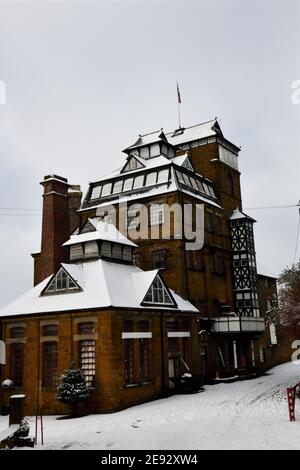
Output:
x=151 y=133
x=194 y=125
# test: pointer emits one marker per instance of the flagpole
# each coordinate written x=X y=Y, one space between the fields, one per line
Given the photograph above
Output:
x=178 y=104
x=179 y=117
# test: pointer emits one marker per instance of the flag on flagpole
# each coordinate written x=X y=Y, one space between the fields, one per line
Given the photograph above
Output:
x=178 y=94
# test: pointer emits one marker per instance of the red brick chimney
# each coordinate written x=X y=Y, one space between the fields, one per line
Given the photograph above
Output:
x=60 y=203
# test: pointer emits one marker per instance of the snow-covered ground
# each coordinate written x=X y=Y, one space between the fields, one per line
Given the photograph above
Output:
x=243 y=415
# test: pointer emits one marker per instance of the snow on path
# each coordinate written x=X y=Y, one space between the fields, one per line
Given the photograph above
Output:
x=251 y=414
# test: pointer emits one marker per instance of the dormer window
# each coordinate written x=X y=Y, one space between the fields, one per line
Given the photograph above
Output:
x=88 y=227
x=187 y=164
x=158 y=294
x=132 y=164
x=61 y=283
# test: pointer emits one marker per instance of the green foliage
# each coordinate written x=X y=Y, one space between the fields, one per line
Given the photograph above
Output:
x=72 y=388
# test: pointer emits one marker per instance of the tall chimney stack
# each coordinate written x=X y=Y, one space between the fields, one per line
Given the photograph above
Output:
x=60 y=203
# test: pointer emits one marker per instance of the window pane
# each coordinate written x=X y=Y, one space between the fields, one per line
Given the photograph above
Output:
x=87 y=361
x=200 y=186
x=86 y=328
x=118 y=187
x=144 y=350
x=138 y=182
x=180 y=177
x=206 y=189
x=163 y=176
x=151 y=179
x=17 y=363
x=17 y=332
x=186 y=179
x=211 y=191
x=49 y=364
x=96 y=192
x=194 y=184
x=106 y=189
x=128 y=361
x=50 y=330
x=128 y=184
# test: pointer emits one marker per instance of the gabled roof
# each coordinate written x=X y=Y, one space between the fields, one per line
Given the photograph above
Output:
x=103 y=231
x=104 y=284
x=147 y=139
x=138 y=161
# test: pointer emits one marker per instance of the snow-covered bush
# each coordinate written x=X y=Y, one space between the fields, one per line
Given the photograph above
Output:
x=72 y=388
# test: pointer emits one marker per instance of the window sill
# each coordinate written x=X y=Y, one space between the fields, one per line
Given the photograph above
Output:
x=142 y=384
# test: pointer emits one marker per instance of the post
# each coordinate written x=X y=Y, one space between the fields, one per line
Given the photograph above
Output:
x=291 y=403
x=235 y=356
x=16 y=414
x=252 y=353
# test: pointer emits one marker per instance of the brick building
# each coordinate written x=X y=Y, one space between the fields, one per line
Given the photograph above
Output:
x=142 y=311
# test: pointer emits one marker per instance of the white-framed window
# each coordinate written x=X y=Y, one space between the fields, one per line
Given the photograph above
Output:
x=87 y=359
x=163 y=176
x=194 y=183
x=151 y=178
x=157 y=214
x=138 y=182
x=96 y=192
x=180 y=177
x=158 y=294
x=118 y=187
x=128 y=184
x=106 y=190
x=62 y=282
x=186 y=179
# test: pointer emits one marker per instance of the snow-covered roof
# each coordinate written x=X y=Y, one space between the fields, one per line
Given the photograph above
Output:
x=147 y=139
x=188 y=134
x=179 y=136
x=103 y=231
x=149 y=164
x=104 y=284
x=151 y=191
x=237 y=214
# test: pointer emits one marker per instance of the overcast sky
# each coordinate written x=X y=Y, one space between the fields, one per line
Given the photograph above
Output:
x=84 y=78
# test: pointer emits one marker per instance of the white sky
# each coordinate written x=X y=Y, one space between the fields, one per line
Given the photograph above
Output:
x=84 y=78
